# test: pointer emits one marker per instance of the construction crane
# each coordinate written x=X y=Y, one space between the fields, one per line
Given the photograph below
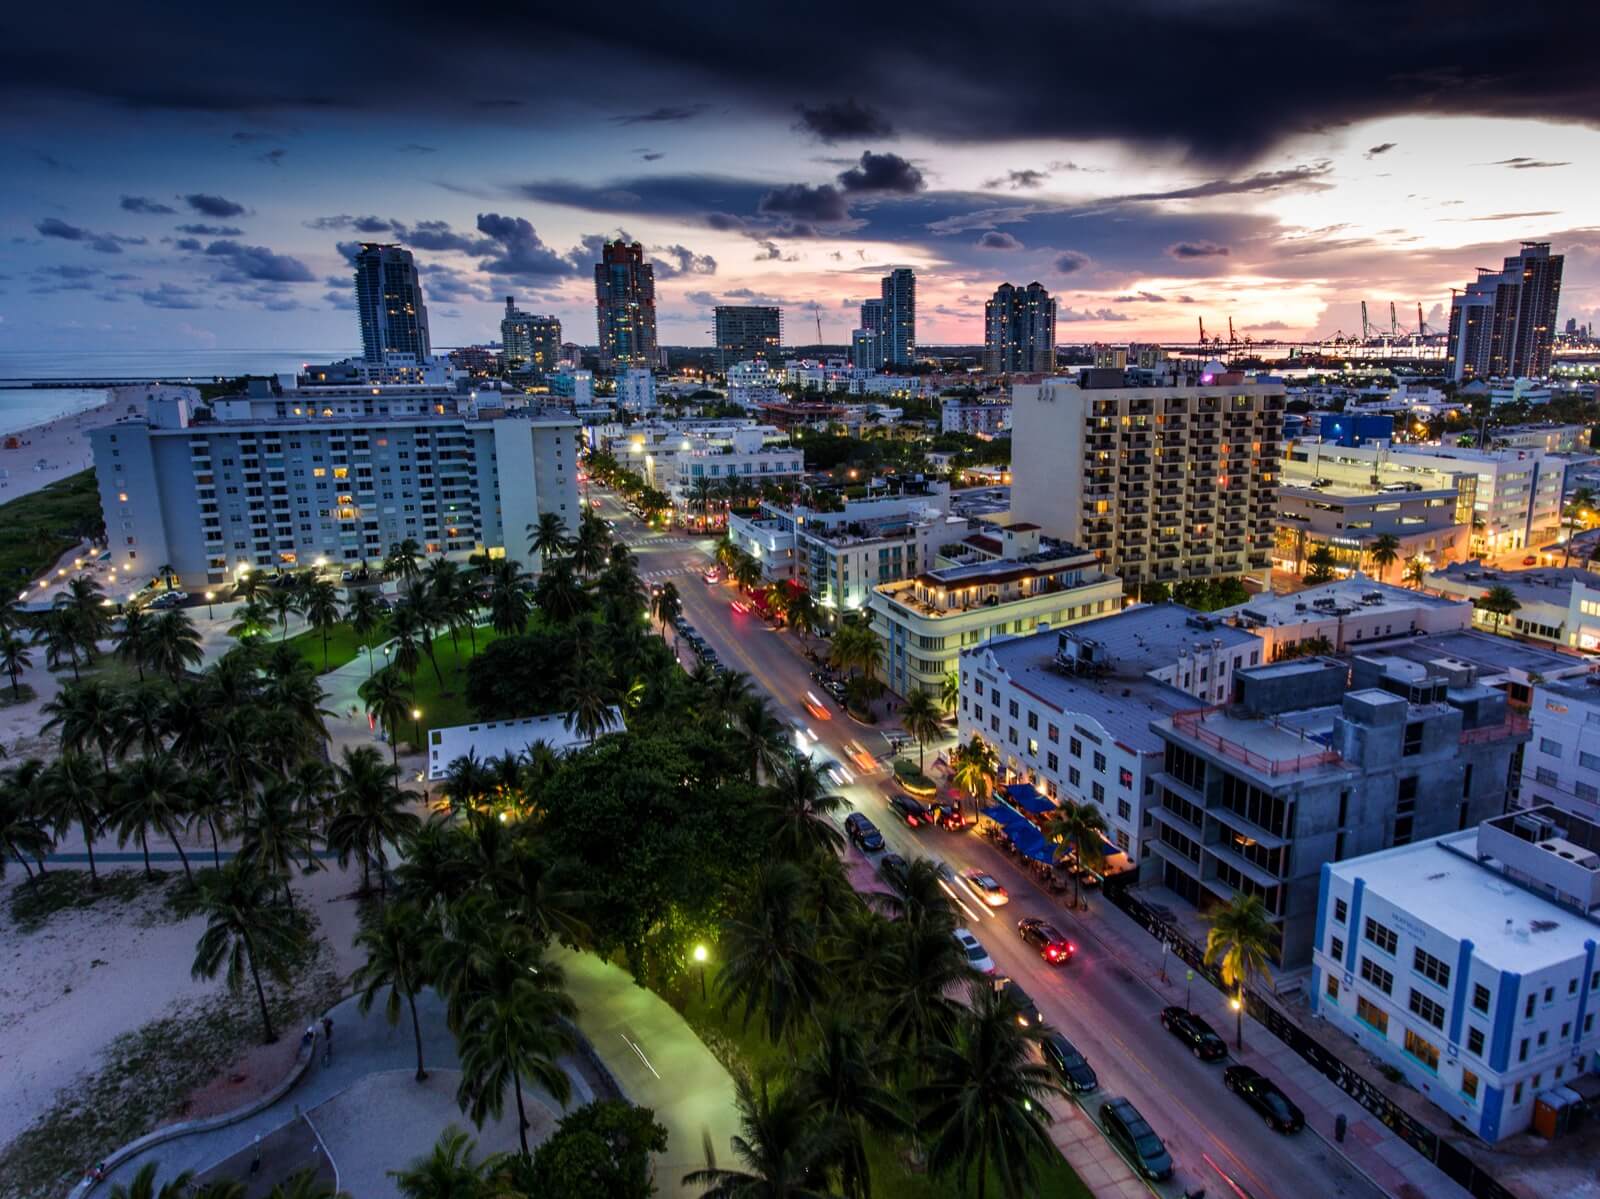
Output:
x=1202 y=321
x=1230 y=331
x=816 y=310
x=1366 y=325
x=1394 y=325
x=1422 y=326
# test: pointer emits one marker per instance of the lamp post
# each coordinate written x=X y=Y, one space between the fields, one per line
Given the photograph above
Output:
x=701 y=953
x=1188 y=982
x=416 y=726
x=210 y=595
x=1237 y=1003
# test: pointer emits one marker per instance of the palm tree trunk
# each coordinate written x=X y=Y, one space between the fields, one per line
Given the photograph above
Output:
x=416 y=1031
x=24 y=862
x=522 y=1116
x=88 y=844
x=144 y=846
x=216 y=855
x=261 y=997
x=182 y=857
x=983 y=1168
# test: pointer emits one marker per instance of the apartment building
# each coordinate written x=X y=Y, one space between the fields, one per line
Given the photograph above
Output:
x=1317 y=761
x=1346 y=613
x=988 y=584
x=1558 y=605
x=282 y=479
x=977 y=417
x=1070 y=710
x=1467 y=962
x=1348 y=521
x=1174 y=478
x=1561 y=765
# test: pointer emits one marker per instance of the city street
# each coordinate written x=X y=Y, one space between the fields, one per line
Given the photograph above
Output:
x=1107 y=1010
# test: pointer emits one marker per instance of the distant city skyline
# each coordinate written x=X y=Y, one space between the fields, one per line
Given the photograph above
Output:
x=220 y=210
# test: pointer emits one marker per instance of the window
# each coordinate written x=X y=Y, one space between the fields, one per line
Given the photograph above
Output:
x=1336 y=949
x=1333 y=987
x=1431 y=968
x=1124 y=810
x=1073 y=776
x=1545 y=775
x=1474 y=1041
x=1469 y=1085
x=1516 y=1095
x=1099 y=761
x=1125 y=777
x=1053 y=734
x=1099 y=792
x=1376 y=975
x=1527 y=1008
x=1430 y=1011
x=1549 y=746
x=1033 y=721
x=1384 y=938
x=1341 y=910
x=1372 y=1015
x=1052 y=762
x=1075 y=747
x=1423 y=1050
x=1522 y=1050
x=1588 y=760
x=1480 y=997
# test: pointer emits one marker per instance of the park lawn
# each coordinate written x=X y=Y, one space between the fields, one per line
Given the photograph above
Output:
x=42 y=526
x=343 y=645
x=447 y=705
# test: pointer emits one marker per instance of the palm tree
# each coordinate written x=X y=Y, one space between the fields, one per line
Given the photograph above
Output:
x=508 y=598
x=364 y=616
x=761 y=735
x=283 y=603
x=143 y=1185
x=559 y=593
x=916 y=896
x=404 y=562
x=803 y=614
x=588 y=705
x=59 y=631
x=371 y=810
x=1078 y=827
x=419 y=613
x=151 y=793
x=252 y=619
x=1500 y=601
x=387 y=697
x=86 y=599
x=667 y=606
x=1385 y=550
x=772 y=964
x=210 y=800
x=1243 y=939
x=513 y=1033
x=246 y=929
x=950 y=692
x=1322 y=563
x=724 y=696
x=923 y=719
x=983 y=1101
x=799 y=808
x=14 y=659
x=77 y=793
x=976 y=768
x=449 y=1172
x=782 y=1145
x=590 y=547
x=1581 y=501
x=701 y=491
x=394 y=946
x=1416 y=571
x=549 y=536
x=133 y=639
x=842 y=1082
x=747 y=573
x=173 y=644
x=24 y=832
x=322 y=611
x=275 y=836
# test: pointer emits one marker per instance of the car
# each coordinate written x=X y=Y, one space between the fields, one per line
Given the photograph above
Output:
x=712 y=574
x=1063 y=1057
x=987 y=887
x=1132 y=1134
x=1531 y=560
x=1194 y=1032
x=1027 y=1011
x=1261 y=1093
x=836 y=774
x=892 y=869
x=977 y=956
x=863 y=832
x=816 y=707
x=804 y=736
x=1049 y=940
x=912 y=811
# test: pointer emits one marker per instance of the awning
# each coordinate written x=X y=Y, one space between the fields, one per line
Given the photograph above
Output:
x=1026 y=797
x=1030 y=842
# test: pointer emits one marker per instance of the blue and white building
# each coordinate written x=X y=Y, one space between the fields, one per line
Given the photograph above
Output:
x=1468 y=962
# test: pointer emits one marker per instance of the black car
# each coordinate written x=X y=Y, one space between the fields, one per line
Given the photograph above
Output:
x=1130 y=1133
x=1261 y=1093
x=1064 y=1058
x=1027 y=1011
x=1194 y=1032
x=1049 y=940
x=863 y=832
x=913 y=812
x=892 y=868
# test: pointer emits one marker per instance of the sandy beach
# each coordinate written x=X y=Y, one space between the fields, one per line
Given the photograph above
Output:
x=49 y=452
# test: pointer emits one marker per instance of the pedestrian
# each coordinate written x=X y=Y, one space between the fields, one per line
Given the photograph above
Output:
x=327 y=1035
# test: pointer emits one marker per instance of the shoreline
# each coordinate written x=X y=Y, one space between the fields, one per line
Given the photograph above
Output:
x=56 y=449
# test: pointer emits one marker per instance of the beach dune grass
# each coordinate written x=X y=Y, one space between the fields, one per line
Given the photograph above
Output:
x=45 y=524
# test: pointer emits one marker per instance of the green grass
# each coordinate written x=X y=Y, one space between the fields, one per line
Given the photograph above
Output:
x=443 y=706
x=343 y=645
x=912 y=778
x=33 y=903
x=46 y=524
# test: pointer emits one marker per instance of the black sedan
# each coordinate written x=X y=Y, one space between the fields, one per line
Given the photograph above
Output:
x=1015 y=997
x=1194 y=1032
x=913 y=812
x=1067 y=1062
x=1261 y=1093
x=1049 y=940
x=863 y=832
x=892 y=868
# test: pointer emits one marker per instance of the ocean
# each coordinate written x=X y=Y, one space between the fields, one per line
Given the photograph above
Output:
x=22 y=408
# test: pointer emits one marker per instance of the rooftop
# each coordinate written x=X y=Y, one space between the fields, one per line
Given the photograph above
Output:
x=494 y=738
x=1539 y=584
x=1358 y=593
x=1492 y=655
x=1271 y=746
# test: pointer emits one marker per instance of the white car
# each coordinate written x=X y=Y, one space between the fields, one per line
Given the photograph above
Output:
x=987 y=887
x=977 y=956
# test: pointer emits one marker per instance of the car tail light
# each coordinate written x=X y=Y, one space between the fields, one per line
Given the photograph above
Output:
x=912 y=821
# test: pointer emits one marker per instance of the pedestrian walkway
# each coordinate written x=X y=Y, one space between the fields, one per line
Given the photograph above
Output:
x=1100 y=1167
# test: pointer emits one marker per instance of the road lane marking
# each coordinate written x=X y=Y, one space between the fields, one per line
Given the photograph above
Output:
x=633 y=1045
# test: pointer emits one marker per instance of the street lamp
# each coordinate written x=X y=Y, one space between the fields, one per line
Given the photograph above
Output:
x=210 y=595
x=701 y=953
x=1237 y=1003
x=416 y=726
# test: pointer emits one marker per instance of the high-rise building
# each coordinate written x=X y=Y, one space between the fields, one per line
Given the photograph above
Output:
x=1175 y=477
x=866 y=343
x=625 y=306
x=747 y=331
x=899 y=317
x=531 y=343
x=1019 y=331
x=1504 y=323
x=389 y=300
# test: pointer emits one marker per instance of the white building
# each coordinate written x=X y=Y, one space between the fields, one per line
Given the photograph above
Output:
x=1467 y=962
x=495 y=738
x=636 y=390
x=1070 y=710
x=977 y=417
x=1347 y=613
x=574 y=385
x=394 y=367
x=1561 y=765
x=1559 y=605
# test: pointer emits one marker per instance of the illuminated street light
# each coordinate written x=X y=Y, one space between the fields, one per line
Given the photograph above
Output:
x=416 y=726
x=210 y=595
x=701 y=953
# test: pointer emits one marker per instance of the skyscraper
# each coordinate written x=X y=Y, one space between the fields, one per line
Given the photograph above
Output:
x=531 y=343
x=747 y=331
x=1019 y=330
x=625 y=306
x=899 y=317
x=389 y=300
x=1504 y=323
x=866 y=343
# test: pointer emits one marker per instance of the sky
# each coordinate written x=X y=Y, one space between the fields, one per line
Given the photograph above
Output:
x=187 y=179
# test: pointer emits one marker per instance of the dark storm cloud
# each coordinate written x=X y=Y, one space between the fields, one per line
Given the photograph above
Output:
x=672 y=261
x=104 y=243
x=998 y=239
x=257 y=264
x=361 y=224
x=842 y=121
x=213 y=206
x=142 y=205
x=1070 y=262
x=1143 y=297
x=1197 y=249
x=1018 y=180
x=824 y=204
x=1306 y=178
x=438 y=235
x=662 y=115
x=169 y=295
x=1381 y=148
x=210 y=230
x=881 y=173
x=519 y=250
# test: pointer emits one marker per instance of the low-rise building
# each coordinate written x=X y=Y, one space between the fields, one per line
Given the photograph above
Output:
x=1561 y=765
x=1316 y=761
x=980 y=418
x=488 y=739
x=1004 y=580
x=1344 y=614
x=1558 y=605
x=574 y=385
x=1070 y=710
x=1467 y=962
x=1348 y=521
x=636 y=390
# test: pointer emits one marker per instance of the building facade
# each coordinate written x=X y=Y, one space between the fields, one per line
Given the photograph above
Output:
x=1165 y=482
x=1561 y=766
x=976 y=417
x=899 y=328
x=1557 y=605
x=278 y=480
x=530 y=343
x=625 y=306
x=1348 y=521
x=1019 y=331
x=1345 y=615
x=747 y=331
x=394 y=319
x=1503 y=325
x=1467 y=963
x=636 y=390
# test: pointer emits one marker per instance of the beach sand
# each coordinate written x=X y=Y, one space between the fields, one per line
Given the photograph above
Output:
x=50 y=452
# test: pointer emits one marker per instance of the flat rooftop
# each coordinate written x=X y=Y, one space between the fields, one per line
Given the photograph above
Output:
x=1491 y=654
x=1358 y=593
x=1540 y=584
x=1149 y=637
x=1447 y=889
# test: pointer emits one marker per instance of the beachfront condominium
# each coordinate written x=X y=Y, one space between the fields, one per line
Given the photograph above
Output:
x=1503 y=325
x=866 y=343
x=625 y=306
x=529 y=343
x=1019 y=331
x=279 y=479
x=747 y=331
x=985 y=584
x=389 y=303
x=1165 y=473
x=899 y=317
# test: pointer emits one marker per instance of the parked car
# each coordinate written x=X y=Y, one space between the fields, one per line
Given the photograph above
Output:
x=977 y=956
x=1063 y=1057
x=987 y=887
x=1194 y=1032
x=912 y=811
x=1027 y=1011
x=863 y=832
x=1260 y=1092
x=1132 y=1134
x=892 y=869
x=1049 y=940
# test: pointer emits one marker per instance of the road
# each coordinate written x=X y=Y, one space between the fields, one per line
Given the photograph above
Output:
x=1107 y=1011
